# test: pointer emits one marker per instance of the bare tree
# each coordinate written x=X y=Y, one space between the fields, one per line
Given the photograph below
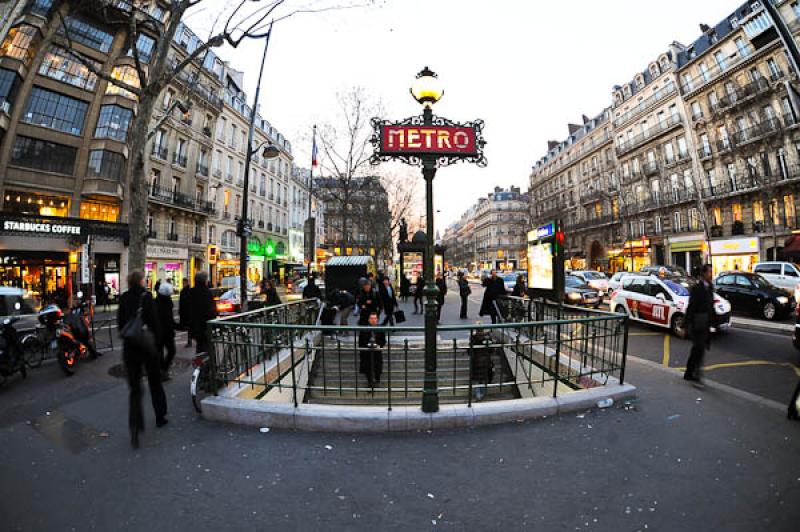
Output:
x=346 y=149
x=243 y=19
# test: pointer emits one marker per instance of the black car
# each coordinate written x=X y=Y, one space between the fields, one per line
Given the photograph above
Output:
x=577 y=292
x=750 y=292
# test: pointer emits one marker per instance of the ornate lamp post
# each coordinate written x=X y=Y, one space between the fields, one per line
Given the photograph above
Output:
x=430 y=142
x=427 y=90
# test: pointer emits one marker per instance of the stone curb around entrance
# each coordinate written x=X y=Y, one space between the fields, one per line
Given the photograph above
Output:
x=763 y=325
x=330 y=418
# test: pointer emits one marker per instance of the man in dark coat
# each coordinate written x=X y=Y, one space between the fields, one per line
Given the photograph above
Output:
x=463 y=291
x=166 y=323
x=520 y=290
x=388 y=300
x=311 y=290
x=493 y=287
x=184 y=311
x=272 y=297
x=136 y=359
x=699 y=319
x=370 y=358
x=203 y=309
x=368 y=302
x=405 y=288
x=441 y=284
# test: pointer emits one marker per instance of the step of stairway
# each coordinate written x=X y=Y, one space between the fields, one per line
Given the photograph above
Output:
x=412 y=399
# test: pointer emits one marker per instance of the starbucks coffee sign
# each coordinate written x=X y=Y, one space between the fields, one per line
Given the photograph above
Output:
x=41 y=227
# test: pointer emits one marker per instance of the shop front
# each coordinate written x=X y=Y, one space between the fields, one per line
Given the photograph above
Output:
x=166 y=263
x=687 y=251
x=51 y=258
x=227 y=266
x=734 y=254
x=633 y=256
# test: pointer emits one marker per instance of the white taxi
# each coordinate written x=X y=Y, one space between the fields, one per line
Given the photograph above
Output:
x=662 y=302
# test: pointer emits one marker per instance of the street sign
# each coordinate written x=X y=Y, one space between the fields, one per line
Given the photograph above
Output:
x=412 y=139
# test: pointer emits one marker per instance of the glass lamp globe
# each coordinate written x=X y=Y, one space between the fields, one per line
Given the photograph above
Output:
x=426 y=88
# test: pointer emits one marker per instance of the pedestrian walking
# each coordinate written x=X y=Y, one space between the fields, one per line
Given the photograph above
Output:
x=419 y=288
x=493 y=288
x=370 y=357
x=166 y=324
x=137 y=358
x=311 y=290
x=699 y=316
x=184 y=311
x=272 y=298
x=405 y=288
x=520 y=288
x=388 y=300
x=367 y=303
x=463 y=291
x=793 y=413
x=441 y=284
x=203 y=309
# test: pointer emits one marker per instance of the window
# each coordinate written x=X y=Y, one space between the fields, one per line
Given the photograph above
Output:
x=736 y=211
x=716 y=216
x=43 y=155
x=104 y=212
x=758 y=211
x=694 y=220
x=697 y=112
x=8 y=85
x=61 y=65
x=687 y=83
x=87 y=34
x=221 y=126
x=20 y=43
x=40 y=7
x=106 y=164
x=788 y=207
x=169 y=94
x=657 y=224
x=719 y=57
x=20 y=202
x=113 y=122
x=795 y=8
x=55 y=111
x=741 y=47
x=683 y=151
x=704 y=71
x=232 y=140
x=774 y=71
x=126 y=74
x=145 y=46
x=669 y=153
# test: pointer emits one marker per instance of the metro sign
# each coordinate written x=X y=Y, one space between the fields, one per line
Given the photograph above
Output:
x=412 y=140
x=439 y=140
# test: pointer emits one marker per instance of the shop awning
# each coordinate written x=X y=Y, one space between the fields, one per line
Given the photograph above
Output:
x=792 y=246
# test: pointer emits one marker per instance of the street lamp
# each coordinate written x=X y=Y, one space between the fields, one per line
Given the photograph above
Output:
x=427 y=90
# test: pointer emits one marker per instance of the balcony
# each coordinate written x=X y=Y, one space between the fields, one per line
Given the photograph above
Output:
x=172 y=237
x=152 y=233
x=643 y=106
x=704 y=153
x=741 y=95
x=229 y=178
x=160 y=152
x=701 y=80
x=197 y=239
x=202 y=169
x=179 y=160
x=651 y=133
x=178 y=199
x=761 y=130
x=650 y=168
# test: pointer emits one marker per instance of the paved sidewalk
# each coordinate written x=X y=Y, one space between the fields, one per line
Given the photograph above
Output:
x=677 y=459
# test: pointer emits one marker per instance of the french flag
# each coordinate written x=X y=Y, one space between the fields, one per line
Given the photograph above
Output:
x=314 y=152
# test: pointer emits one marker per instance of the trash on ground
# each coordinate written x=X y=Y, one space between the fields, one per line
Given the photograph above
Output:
x=605 y=403
x=264 y=429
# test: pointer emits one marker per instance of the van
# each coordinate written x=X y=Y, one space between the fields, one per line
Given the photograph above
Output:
x=784 y=275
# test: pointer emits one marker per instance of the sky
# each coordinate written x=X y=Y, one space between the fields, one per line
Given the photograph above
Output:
x=526 y=67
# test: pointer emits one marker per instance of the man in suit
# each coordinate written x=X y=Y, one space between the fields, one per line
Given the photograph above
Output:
x=370 y=357
x=699 y=318
x=388 y=300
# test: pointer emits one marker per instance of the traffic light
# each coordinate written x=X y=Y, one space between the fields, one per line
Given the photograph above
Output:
x=213 y=254
x=558 y=245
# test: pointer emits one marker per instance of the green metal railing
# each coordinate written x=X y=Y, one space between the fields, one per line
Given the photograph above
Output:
x=537 y=349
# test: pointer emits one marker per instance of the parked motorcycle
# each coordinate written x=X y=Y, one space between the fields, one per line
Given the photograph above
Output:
x=37 y=345
x=75 y=337
x=12 y=359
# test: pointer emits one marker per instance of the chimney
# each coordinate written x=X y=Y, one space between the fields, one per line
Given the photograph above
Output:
x=704 y=28
x=573 y=128
x=551 y=144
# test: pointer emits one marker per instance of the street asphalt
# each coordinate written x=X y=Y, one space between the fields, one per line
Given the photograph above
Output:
x=676 y=459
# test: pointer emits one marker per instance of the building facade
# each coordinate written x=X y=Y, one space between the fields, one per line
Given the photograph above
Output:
x=704 y=157
x=298 y=214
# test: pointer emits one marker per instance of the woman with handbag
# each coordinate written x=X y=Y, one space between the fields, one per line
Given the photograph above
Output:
x=136 y=319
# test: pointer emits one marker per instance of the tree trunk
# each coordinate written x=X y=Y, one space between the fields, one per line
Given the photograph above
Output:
x=138 y=189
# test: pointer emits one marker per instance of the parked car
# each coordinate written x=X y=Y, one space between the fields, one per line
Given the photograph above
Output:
x=662 y=303
x=670 y=271
x=596 y=280
x=752 y=293
x=577 y=292
x=233 y=282
x=784 y=275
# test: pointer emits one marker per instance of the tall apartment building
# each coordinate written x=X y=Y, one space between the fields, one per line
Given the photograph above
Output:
x=704 y=157
x=491 y=233
x=268 y=203
x=298 y=213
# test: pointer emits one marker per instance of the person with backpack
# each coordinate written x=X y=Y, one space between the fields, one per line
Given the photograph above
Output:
x=166 y=323
x=139 y=354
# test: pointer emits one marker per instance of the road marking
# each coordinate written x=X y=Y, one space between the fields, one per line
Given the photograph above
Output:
x=745 y=363
x=665 y=360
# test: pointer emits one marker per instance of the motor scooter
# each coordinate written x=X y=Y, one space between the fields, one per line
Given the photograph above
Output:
x=74 y=337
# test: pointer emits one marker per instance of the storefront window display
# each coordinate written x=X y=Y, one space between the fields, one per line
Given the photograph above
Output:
x=19 y=202
x=734 y=254
x=44 y=276
x=104 y=212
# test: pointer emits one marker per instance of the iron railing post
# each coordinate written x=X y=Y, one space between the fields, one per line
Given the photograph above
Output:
x=624 y=349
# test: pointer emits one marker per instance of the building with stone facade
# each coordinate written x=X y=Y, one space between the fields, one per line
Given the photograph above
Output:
x=63 y=154
x=298 y=214
x=703 y=160
x=491 y=233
